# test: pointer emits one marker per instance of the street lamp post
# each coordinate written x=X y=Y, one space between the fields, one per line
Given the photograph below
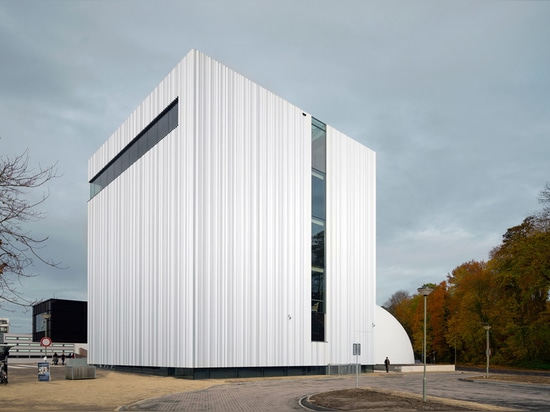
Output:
x=46 y=317
x=425 y=291
x=487 y=349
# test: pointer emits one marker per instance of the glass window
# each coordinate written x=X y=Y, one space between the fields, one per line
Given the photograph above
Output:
x=317 y=326
x=162 y=127
x=152 y=136
x=318 y=153
x=134 y=152
x=154 y=132
x=318 y=124
x=318 y=290
x=94 y=189
x=318 y=244
x=117 y=165
x=125 y=160
x=110 y=174
x=102 y=181
x=318 y=144
x=173 y=118
x=142 y=145
x=317 y=305
x=318 y=211
x=318 y=195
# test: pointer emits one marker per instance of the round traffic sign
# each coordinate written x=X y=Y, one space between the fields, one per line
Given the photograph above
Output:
x=45 y=341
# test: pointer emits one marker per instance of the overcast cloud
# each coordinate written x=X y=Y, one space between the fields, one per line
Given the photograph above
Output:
x=454 y=96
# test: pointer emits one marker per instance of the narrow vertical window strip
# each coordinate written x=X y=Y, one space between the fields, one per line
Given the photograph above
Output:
x=318 y=224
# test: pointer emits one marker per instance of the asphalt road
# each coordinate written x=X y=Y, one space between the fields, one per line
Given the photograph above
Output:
x=460 y=386
x=285 y=394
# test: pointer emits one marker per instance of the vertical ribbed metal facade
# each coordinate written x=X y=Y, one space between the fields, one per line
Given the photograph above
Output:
x=199 y=254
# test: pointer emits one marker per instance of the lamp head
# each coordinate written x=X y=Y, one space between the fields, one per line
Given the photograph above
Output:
x=425 y=291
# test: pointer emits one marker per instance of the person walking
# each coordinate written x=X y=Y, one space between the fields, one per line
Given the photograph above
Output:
x=387 y=363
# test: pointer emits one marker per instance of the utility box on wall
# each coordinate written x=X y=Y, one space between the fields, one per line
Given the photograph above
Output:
x=61 y=320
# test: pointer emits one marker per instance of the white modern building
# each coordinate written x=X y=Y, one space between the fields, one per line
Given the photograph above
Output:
x=230 y=233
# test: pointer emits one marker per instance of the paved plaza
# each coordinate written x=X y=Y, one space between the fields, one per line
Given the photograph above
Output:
x=285 y=394
x=126 y=391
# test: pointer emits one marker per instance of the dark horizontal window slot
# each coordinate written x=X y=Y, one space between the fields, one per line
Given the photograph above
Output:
x=155 y=131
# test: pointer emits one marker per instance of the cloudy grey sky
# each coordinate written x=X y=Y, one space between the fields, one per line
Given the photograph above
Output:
x=454 y=96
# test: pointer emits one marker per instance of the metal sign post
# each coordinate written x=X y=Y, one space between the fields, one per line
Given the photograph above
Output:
x=45 y=341
x=44 y=367
x=357 y=353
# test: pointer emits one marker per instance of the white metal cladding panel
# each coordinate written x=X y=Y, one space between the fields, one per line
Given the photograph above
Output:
x=140 y=257
x=141 y=264
x=253 y=223
x=350 y=248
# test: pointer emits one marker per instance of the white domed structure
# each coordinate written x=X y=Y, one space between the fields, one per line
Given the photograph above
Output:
x=390 y=339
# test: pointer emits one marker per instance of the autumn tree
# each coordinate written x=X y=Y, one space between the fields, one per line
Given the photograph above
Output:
x=395 y=300
x=436 y=318
x=404 y=309
x=400 y=305
x=18 y=247
x=475 y=300
x=409 y=311
x=522 y=262
x=438 y=313
x=522 y=266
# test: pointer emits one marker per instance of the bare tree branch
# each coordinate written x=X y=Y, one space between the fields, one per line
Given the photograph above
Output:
x=19 y=249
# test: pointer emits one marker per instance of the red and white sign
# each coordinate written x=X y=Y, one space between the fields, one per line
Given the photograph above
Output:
x=45 y=341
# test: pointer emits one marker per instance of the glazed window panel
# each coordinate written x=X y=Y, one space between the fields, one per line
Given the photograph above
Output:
x=318 y=233
x=318 y=195
x=317 y=290
x=163 y=126
x=155 y=131
x=173 y=118
x=152 y=136
x=317 y=326
x=318 y=145
x=317 y=244
x=125 y=160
